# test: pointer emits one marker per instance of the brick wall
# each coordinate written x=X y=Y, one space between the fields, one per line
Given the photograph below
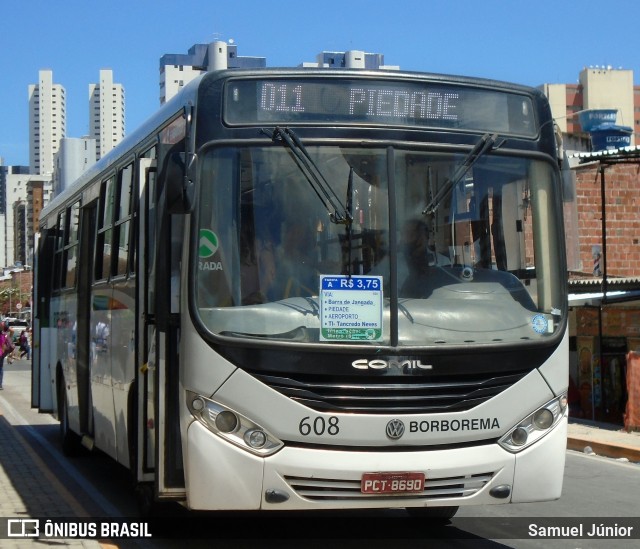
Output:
x=622 y=208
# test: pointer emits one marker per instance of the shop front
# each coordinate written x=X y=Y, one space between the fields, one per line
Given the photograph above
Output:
x=602 y=338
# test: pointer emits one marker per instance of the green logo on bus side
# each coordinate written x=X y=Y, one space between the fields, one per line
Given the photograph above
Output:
x=208 y=243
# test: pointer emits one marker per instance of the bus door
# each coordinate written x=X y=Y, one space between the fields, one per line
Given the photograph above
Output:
x=42 y=372
x=85 y=350
x=146 y=363
x=159 y=449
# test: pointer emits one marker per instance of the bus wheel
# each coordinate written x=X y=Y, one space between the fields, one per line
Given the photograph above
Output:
x=145 y=499
x=440 y=514
x=69 y=440
x=148 y=506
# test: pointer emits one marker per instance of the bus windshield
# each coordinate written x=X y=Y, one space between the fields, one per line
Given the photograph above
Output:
x=464 y=256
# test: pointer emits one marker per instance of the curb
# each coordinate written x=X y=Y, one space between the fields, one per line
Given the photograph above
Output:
x=604 y=448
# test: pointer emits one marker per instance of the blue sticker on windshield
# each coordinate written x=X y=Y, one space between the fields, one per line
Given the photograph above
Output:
x=540 y=324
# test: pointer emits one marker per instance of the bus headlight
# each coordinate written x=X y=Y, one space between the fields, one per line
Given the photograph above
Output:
x=226 y=422
x=255 y=438
x=232 y=426
x=535 y=426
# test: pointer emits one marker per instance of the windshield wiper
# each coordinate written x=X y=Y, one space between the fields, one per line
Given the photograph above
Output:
x=338 y=213
x=481 y=147
x=349 y=212
x=405 y=312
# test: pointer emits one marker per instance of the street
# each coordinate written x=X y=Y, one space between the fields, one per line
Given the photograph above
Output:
x=594 y=488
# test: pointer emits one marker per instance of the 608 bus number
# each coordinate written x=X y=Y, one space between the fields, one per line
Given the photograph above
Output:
x=319 y=426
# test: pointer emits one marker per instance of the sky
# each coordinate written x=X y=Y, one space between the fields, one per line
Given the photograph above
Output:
x=526 y=42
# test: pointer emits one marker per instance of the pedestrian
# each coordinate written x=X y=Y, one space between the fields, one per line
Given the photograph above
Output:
x=10 y=345
x=5 y=348
x=23 y=342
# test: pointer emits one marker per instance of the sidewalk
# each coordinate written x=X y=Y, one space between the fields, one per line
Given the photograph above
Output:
x=28 y=488
x=603 y=439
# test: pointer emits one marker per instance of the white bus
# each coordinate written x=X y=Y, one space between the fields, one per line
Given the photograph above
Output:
x=304 y=289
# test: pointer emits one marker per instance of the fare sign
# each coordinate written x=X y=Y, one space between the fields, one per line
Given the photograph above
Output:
x=350 y=308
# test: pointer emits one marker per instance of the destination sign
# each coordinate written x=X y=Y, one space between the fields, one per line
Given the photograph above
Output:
x=366 y=101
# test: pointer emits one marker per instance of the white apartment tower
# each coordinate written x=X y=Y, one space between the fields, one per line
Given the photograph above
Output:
x=106 y=113
x=47 y=122
x=177 y=70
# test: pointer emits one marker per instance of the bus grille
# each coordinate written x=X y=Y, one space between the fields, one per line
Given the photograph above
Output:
x=381 y=396
x=324 y=489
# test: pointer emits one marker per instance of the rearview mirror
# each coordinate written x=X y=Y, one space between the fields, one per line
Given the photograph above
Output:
x=180 y=182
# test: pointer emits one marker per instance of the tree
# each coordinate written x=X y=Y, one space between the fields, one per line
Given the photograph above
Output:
x=7 y=294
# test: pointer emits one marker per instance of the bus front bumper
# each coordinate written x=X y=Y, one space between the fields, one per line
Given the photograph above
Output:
x=221 y=476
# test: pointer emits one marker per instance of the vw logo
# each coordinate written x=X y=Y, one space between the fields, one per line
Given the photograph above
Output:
x=395 y=429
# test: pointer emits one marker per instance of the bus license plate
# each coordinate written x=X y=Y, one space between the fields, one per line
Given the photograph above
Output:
x=392 y=483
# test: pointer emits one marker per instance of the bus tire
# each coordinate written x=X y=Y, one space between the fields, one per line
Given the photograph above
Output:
x=145 y=499
x=440 y=514
x=148 y=505
x=69 y=440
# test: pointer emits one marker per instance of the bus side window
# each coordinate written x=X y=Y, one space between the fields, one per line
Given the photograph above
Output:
x=105 y=229
x=123 y=218
x=46 y=261
x=70 y=256
x=58 y=247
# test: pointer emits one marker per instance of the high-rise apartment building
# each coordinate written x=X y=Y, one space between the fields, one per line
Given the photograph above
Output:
x=10 y=177
x=47 y=122
x=352 y=59
x=106 y=113
x=22 y=196
x=13 y=242
x=6 y=174
x=177 y=69
x=76 y=156
x=39 y=192
x=597 y=88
